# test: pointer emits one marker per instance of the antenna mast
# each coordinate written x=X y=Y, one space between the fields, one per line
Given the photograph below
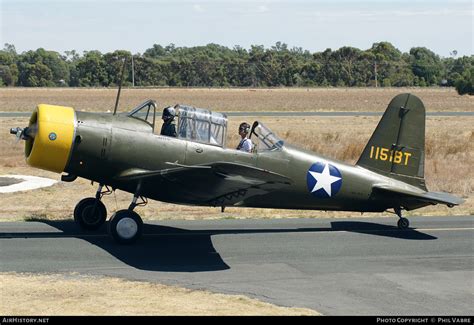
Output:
x=120 y=86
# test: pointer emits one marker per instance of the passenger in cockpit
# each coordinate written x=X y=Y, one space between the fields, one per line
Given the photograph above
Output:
x=245 y=143
x=169 y=125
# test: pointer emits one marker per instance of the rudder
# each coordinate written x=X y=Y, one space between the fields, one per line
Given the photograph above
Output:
x=397 y=146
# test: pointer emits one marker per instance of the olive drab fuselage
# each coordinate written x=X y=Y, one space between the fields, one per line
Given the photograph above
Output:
x=197 y=168
x=106 y=145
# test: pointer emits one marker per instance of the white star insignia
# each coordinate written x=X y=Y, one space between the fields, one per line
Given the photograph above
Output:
x=323 y=180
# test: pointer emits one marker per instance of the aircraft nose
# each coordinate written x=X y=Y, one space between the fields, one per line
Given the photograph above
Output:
x=49 y=137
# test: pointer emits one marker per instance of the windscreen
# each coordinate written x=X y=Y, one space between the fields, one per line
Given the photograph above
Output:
x=145 y=111
x=264 y=138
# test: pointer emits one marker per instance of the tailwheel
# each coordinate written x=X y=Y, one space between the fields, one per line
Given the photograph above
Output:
x=402 y=223
x=125 y=226
x=90 y=213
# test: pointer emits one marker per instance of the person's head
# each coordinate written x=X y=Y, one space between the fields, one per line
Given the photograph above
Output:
x=168 y=114
x=244 y=129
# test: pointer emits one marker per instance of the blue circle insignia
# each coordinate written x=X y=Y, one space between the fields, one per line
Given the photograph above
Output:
x=52 y=136
x=323 y=180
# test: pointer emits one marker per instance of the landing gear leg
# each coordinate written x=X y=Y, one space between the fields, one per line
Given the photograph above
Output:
x=90 y=213
x=403 y=223
x=126 y=226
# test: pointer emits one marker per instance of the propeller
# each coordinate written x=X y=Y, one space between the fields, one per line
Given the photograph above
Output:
x=26 y=133
x=18 y=132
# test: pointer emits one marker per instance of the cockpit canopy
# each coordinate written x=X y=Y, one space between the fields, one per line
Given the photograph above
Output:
x=204 y=126
x=194 y=124
x=201 y=125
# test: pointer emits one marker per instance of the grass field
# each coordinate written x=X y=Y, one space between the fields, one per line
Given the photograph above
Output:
x=73 y=294
x=227 y=100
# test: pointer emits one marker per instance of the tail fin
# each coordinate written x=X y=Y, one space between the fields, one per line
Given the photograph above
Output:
x=397 y=147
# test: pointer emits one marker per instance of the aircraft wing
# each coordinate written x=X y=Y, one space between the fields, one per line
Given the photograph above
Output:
x=412 y=199
x=219 y=183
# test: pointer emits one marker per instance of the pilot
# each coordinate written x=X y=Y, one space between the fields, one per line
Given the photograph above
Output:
x=245 y=143
x=169 y=125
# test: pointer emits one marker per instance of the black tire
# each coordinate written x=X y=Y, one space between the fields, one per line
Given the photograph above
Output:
x=90 y=213
x=125 y=226
x=403 y=223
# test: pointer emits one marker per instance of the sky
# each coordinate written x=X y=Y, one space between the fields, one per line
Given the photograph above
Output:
x=107 y=25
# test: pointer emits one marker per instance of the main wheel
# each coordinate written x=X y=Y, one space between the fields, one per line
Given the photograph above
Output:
x=403 y=223
x=125 y=226
x=90 y=213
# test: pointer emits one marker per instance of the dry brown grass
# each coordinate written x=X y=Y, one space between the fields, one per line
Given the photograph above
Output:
x=449 y=158
x=226 y=100
x=72 y=294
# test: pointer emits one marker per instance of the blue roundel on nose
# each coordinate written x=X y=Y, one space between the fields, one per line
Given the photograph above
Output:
x=323 y=180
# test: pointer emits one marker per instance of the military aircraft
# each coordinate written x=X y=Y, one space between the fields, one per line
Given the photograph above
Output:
x=122 y=151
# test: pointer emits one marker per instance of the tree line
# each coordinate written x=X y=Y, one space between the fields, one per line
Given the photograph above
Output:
x=214 y=65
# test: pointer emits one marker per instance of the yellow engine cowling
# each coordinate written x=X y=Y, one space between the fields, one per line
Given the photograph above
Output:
x=50 y=147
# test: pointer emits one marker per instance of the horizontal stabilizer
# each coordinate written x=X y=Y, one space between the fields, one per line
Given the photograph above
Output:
x=414 y=198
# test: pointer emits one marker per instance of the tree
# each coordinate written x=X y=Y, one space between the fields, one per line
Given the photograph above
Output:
x=10 y=48
x=426 y=65
x=215 y=65
x=385 y=51
x=454 y=68
x=91 y=70
x=149 y=72
x=35 y=75
x=42 y=68
x=113 y=63
x=156 y=52
x=465 y=84
x=8 y=67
